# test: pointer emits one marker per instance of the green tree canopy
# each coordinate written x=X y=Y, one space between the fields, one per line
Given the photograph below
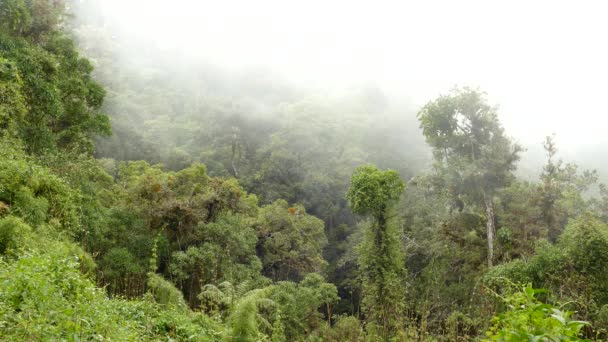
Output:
x=374 y=192
x=473 y=156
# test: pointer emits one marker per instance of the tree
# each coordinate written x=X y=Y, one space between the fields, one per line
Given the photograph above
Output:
x=561 y=191
x=12 y=101
x=58 y=107
x=373 y=193
x=224 y=252
x=290 y=241
x=473 y=156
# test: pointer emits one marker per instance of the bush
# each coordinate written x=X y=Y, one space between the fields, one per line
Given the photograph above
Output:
x=528 y=319
x=44 y=297
x=164 y=292
x=346 y=328
x=12 y=233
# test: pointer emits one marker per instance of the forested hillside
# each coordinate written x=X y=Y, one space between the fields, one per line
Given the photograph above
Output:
x=142 y=202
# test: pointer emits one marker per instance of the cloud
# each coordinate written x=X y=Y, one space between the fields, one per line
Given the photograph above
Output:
x=544 y=62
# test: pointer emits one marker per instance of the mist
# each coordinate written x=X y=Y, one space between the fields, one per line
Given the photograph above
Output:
x=541 y=63
x=327 y=171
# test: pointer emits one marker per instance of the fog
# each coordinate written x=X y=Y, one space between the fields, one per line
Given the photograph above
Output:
x=303 y=170
x=542 y=62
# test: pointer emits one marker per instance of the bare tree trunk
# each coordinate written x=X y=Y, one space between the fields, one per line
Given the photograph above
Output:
x=234 y=169
x=490 y=227
x=235 y=153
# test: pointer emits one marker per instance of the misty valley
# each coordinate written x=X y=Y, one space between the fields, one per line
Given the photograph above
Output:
x=150 y=193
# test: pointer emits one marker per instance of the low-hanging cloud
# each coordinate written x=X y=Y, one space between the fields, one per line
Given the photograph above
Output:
x=542 y=61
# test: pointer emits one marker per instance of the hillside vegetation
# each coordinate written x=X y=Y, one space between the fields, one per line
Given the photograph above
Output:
x=137 y=204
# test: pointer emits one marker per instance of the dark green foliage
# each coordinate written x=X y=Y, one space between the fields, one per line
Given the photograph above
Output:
x=127 y=249
x=473 y=156
x=290 y=241
x=226 y=253
x=204 y=229
x=47 y=84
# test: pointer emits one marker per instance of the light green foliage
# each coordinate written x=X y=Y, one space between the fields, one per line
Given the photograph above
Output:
x=34 y=193
x=302 y=305
x=528 y=319
x=15 y=17
x=279 y=141
x=45 y=297
x=164 y=292
x=382 y=269
x=582 y=250
x=585 y=242
x=14 y=234
x=245 y=320
x=346 y=328
x=573 y=268
x=221 y=299
x=34 y=19
x=381 y=256
x=279 y=312
x=322 y=293
x=12 y=101
x=372 y=191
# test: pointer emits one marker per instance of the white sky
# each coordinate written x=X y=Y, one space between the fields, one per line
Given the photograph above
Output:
x=544 y=62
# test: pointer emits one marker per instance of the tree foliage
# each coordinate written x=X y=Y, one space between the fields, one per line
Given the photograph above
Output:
x=529 y=319
x=218 y=212
x=473 y=156
x=374 y=192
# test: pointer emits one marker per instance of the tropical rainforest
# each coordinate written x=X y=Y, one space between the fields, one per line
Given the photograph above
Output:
x=194 y=204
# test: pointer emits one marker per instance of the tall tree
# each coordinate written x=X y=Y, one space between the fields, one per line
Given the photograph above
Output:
x=561 y=191
x=373 y=193
x=290 y=241
x=473 y=156
x=53 y=97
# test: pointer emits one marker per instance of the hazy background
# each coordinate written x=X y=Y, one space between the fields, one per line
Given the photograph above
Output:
x=543 y=62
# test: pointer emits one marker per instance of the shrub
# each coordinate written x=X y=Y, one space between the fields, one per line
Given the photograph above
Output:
x=528 y=319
